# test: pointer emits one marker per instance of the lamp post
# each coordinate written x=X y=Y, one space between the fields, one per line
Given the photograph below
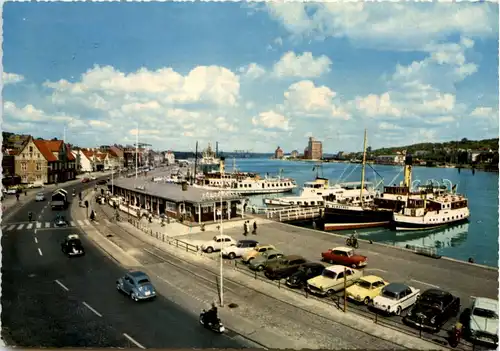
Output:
x=112 y=184
x=221 y=263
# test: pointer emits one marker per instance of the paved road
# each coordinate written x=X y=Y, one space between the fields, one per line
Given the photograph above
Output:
x=49 y=300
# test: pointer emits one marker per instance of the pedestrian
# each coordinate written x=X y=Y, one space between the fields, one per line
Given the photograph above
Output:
x=245 y=229
x=254 y=228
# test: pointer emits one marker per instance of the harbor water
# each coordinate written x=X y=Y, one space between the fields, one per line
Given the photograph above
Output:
x=477 y=239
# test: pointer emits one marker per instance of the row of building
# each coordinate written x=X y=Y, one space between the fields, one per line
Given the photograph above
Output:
x=28 y=160
x=313 y=151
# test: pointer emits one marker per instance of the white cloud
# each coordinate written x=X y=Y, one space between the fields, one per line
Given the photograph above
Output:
x=271 y=119
x=482 y=111
x=305 y=99
x=385 y=25
x=302 y=66
x=31 y=114
x=99 y=124
x=389 y=126
x=252 y=71
x=223 y=125
x=11 y=78
x=375 y=105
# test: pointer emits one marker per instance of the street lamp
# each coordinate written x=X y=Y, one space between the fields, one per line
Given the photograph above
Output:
x=221 y=261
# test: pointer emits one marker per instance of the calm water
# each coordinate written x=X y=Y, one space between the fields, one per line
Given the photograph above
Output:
x=477 y=239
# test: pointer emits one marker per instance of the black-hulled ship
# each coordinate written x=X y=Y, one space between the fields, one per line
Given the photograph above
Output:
x=379 y=212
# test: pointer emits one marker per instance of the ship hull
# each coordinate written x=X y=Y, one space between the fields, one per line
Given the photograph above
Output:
x=355 y=218
x=409 y=226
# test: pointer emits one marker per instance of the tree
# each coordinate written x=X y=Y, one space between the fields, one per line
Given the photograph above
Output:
x=369 y=149
x=53 y=139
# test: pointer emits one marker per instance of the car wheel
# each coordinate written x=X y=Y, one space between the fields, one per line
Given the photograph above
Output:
x=331 y=261
x=398 y=311
x=210 y=249
x=354 y=266
x=133 y=296
x=260 y=268
x=366 y=301
x=231 y=255
x=330 y=292
x=250 y=259
x=118 y=287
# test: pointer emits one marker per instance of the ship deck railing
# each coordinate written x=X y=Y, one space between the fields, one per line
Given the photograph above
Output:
x=288 y=214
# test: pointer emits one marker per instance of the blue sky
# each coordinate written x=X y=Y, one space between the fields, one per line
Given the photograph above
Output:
x=251 y=75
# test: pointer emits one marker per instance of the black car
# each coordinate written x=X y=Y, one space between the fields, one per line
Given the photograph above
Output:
x=284 y=267
x=101 y=182
x=433 y=308
x=60 y=221
x=72 y=246
x=307 y=271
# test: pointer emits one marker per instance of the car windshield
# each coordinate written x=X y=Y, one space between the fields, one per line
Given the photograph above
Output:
x=240 y=245
x=481 y=312
x=143 y=281
x=429 y=301
x=329 y=274
x=39 y=194
x=389 y=294
x=364 y=284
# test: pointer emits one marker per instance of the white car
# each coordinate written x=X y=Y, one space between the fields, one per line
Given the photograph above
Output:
x=93 y=178
x=395 y=298
x=240 y=249
x=217 y=243
x=11 y=191
x=40 y=197
x=483 y=323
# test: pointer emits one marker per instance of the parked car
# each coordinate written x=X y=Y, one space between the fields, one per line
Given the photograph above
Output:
x=345 y=256
x=305 y=272
x=85 y=180
x=483 y=322
x=40 y=197
x=395 y=298
x=217 y=243
x=241 y=248
x=93 y=178
x=12 y=191
x=366 y=288
x=258 y=250
x=284 y=267
x=101 y=182
x=37 y=184
x=267 y=257
x=137 y=285
x=433 y=308
x=332 y=280
x=72 y=246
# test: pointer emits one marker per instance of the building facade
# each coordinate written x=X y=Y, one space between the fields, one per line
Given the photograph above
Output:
x=294 y=154
x=278 y=153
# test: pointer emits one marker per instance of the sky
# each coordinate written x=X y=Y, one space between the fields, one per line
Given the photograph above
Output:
x=252 y=76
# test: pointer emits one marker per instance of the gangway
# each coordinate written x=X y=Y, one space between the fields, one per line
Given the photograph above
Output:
x=290 y=214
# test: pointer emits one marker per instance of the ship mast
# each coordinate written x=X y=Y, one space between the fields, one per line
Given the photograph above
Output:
x=363 y=170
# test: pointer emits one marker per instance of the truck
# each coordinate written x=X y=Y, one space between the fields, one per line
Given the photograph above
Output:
x=59 y=199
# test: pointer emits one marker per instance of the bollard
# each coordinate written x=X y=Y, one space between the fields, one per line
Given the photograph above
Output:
x=187 y=248
x=279 y=284
x=307 y=293
x=235 y=264
x=376 y=316
x=176 y=242
x=255 y=277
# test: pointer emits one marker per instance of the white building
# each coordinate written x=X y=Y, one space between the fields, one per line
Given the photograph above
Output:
x=390 y=159
x=83 y=163
x=169 y=158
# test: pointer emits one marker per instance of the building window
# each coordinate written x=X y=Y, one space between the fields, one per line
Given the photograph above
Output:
x=38 y=177
x=38 y=166
x=38 y=155
x=24 y=167
x=31 y=148
x=25 y=178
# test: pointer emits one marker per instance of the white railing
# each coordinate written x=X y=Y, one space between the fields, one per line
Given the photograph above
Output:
x=293 y=213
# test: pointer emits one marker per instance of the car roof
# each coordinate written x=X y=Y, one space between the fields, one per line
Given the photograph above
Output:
x=486 y=303
x=343 y=248
x=314 y=264
x=396 y=288
x=222 y=236
x=294 y=257
x=436 y=293
x=272 y=251
x=264 y=245
x=336 y=268
x=138 y=275
x=371 y=278
x=40 y=193
x=73 y=236
x=248 y=241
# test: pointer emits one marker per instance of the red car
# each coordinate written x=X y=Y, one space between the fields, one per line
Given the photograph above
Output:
x=344 y=256
x=85 y=180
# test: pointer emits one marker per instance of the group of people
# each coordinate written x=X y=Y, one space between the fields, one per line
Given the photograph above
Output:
x=246 y=228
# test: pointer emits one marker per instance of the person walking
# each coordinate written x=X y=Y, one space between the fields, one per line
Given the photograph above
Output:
x=254 y=228
x=245 y=228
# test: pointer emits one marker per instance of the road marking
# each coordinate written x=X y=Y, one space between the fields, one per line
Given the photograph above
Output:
x=135 y=342
x=72 y=223
x=11 y=227
x=36 y=240
x=38 y=225
x=29 y=226
x=418 y=281
x=375 y=269
x=35 y=231
x=40 y=252
x=86 y=221
x=90 y=308
x=61 y=285
x=79 y=222
x=20 y=226
x=47 y=224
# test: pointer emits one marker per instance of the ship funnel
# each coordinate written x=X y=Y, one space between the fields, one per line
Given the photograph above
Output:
x=222 y=164
x=407 y=171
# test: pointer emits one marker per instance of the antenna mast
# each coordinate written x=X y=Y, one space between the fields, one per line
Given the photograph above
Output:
x=363 y=170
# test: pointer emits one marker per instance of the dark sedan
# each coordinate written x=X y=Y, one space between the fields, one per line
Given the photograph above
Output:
x=432 y=310
x=284 y=267
x=72 y=246
x=306 y=271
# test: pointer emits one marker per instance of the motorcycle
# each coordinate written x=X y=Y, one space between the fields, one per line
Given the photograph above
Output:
x=353 y=242
x=217 y=327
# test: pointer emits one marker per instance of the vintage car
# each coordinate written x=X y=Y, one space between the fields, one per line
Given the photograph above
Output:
x=483 y=322
x=101 y=182
x=39 y=197
x=284 y=267
x=333 y=279
x=395 y=298
x=60 y=221
x=217 y=243
x=344 y=256
x=85 y=180
x=258 y=250
x=260 y=262
x=433 y=308
x=305 y=272
x=72 y=246
x=137 y=285
x=366 y=288
x=242 y=247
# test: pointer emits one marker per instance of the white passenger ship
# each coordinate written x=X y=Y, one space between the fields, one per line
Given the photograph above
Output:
x=318 y=192
x=244 y=182
x=438 y=211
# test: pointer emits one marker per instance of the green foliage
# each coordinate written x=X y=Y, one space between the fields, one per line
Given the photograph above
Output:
x=440 y=148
